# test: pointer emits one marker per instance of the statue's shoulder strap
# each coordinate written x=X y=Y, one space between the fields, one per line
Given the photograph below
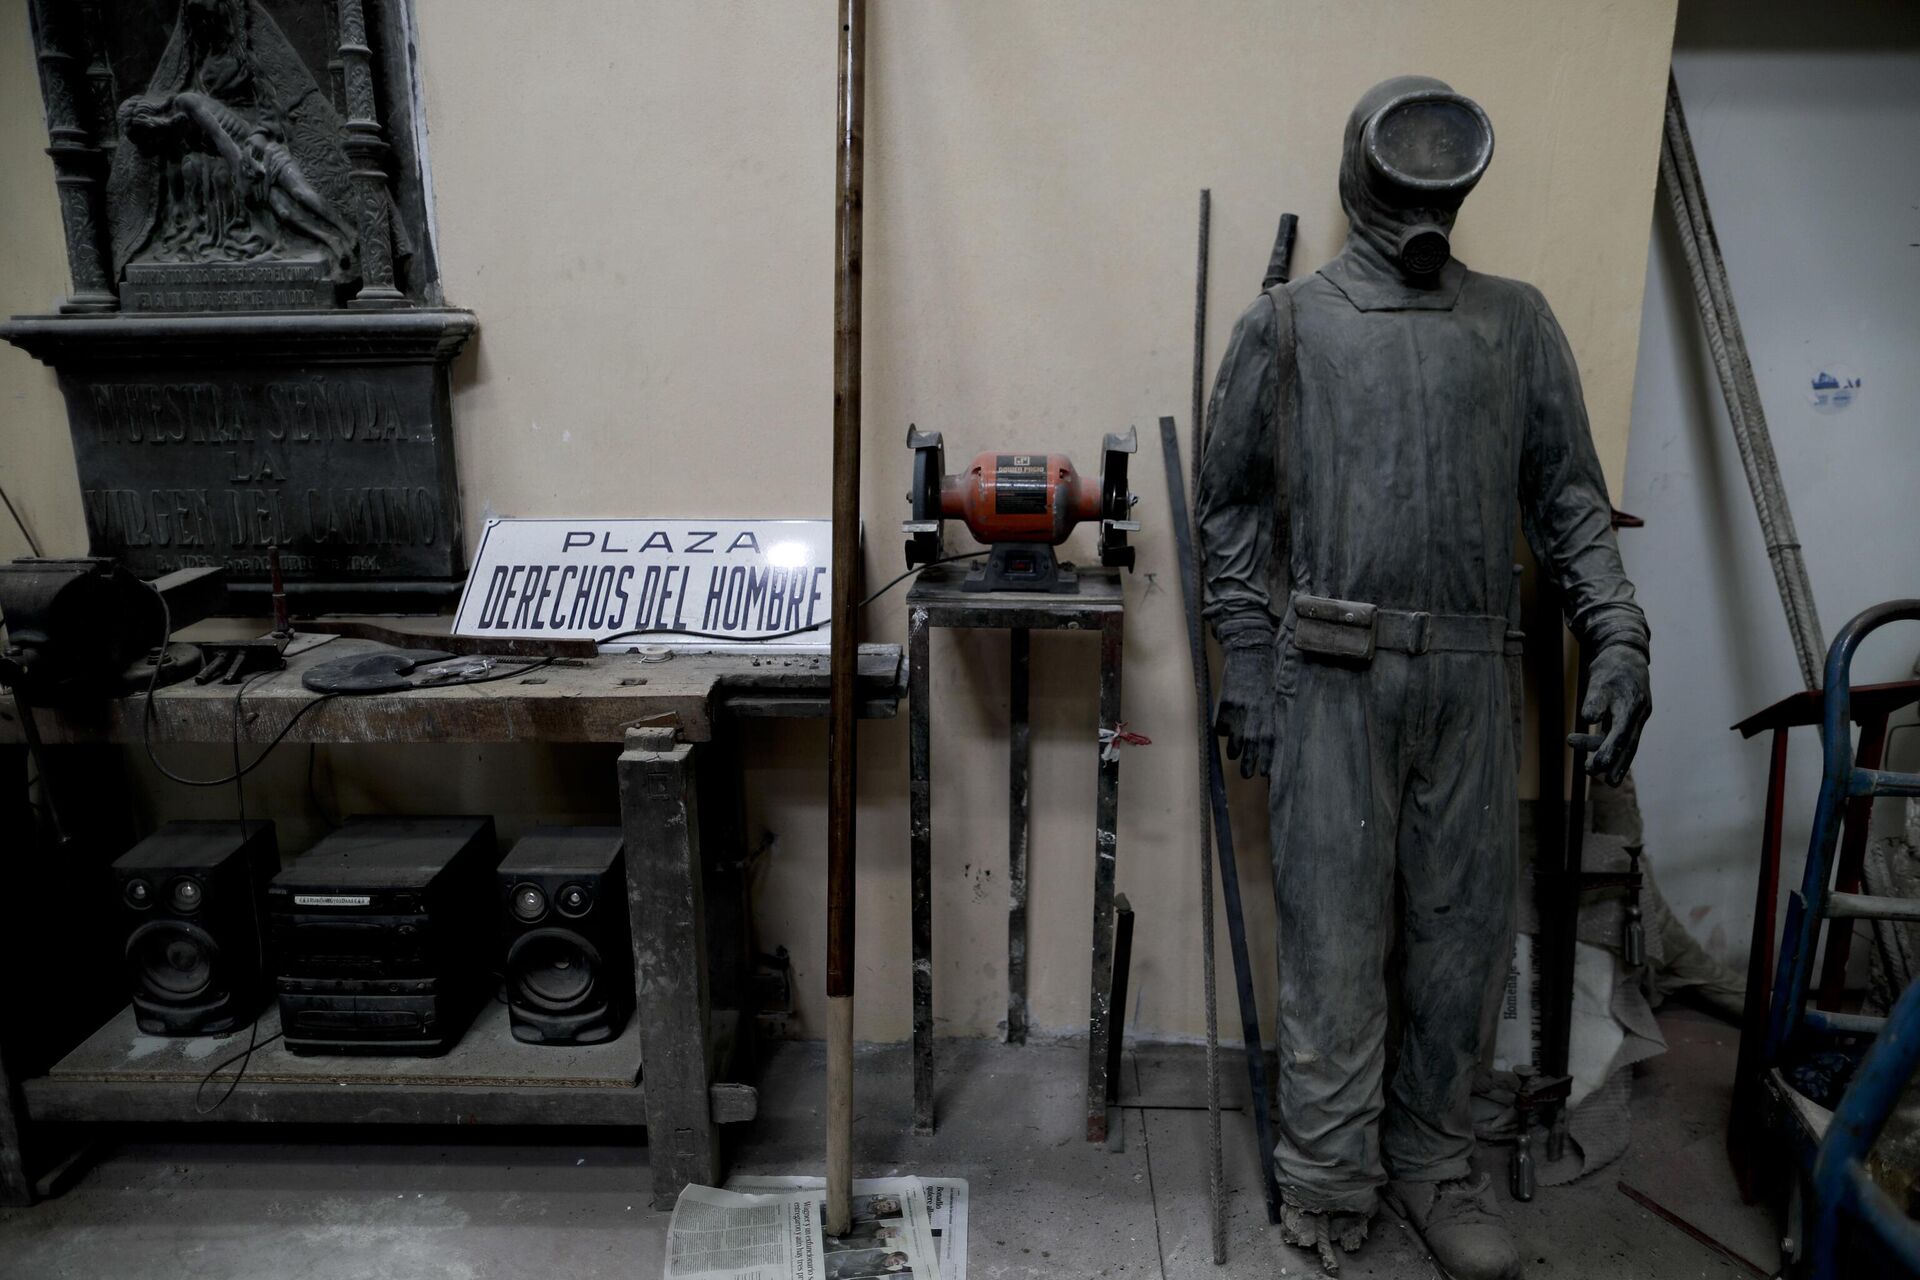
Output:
x=1286 y=407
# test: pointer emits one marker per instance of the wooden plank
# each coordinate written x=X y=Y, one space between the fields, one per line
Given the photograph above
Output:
x=50 y=1098
x=788 y=706
x=487 y=1057
x=569 y=700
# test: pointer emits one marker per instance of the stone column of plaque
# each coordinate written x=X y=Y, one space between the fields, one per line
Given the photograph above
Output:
x=101 y=90
x=366 y=146
x=78 y=162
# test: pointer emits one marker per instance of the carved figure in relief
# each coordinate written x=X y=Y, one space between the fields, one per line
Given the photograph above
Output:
x=235 y=151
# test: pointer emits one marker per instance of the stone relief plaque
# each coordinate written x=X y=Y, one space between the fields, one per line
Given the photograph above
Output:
x=255 y=351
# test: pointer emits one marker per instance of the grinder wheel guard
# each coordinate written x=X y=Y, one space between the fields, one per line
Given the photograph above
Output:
x=1022 y=505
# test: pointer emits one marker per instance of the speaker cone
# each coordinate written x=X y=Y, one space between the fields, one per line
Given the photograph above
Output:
x=552 y=969
x=529 y=902
x=575 y=900
x=172 y=961
x=186 y=895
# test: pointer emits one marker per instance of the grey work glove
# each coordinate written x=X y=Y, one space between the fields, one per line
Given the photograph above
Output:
x=1245 y=718
x=1619 y=698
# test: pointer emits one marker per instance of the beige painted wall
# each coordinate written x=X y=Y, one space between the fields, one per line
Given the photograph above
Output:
x=637 y=200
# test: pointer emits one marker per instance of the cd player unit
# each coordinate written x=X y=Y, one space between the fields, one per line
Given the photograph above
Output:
x=379 y=936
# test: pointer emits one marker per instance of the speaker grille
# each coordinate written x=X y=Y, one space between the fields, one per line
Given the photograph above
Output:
x=553 y=969
x=172 y=961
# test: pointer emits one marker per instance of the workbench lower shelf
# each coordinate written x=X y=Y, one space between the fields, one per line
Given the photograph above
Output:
x=121 y=1074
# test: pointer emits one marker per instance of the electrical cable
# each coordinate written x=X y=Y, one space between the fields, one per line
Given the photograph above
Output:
x=245 y=1056
x=891 y=583
x=33 y=543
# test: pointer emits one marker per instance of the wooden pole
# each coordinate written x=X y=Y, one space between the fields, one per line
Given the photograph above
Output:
x=842 y=722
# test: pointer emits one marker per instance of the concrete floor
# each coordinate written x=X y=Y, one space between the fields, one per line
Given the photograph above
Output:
x=1044 y=1204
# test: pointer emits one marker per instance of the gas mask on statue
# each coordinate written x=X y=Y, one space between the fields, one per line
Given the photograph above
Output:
x=1414 y=149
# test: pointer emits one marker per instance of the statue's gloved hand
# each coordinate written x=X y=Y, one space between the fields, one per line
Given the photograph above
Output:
x=1619 y=698
x=1246 y=717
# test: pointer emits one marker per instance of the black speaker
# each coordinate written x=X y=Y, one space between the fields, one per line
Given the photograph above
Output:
x=569 y=959
x=191 y=895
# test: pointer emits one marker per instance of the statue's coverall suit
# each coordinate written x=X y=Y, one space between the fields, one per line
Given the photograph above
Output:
x=1423 y=410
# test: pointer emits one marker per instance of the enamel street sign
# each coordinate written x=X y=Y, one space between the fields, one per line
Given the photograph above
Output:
x=651 y=582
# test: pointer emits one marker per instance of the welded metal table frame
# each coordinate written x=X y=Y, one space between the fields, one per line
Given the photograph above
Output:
x=1870 y=707
x=679 y=787
x=937 y=600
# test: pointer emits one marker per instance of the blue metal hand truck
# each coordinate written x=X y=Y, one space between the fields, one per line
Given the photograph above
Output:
x=1846 y=1220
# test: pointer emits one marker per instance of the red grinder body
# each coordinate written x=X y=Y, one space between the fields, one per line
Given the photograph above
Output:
x=1020 y=497
x=1021 y=505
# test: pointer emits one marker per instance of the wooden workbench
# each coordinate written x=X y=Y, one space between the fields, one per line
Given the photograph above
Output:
x=681 y=1066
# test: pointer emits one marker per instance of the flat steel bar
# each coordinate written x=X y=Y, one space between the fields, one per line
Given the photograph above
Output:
x=1222 y=823
x=1122 y=977
x=1019 y=828
x=1106 y=853
x=920 y=856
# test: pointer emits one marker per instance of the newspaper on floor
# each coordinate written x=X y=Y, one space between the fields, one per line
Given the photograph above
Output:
x=778 y=1234
x=945 y=1200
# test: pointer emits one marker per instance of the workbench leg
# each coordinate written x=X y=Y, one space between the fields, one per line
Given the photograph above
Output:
x=1019 y=794
x=659 y=811
x=1106 y=850
x=1745 y=1140
x=729 y=919
x=20 y=835
x=920 y=835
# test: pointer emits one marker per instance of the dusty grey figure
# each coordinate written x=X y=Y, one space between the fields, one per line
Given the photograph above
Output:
x=1372 y=427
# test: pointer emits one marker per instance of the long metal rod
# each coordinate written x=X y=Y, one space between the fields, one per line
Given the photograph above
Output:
x=843 y=705
x=1661 y=1211
x=1216 y=1158
x=1728 y=346
x=1216 y=782
x=1019 y=826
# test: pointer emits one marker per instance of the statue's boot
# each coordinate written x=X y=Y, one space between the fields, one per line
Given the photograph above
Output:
x=1461 y=1225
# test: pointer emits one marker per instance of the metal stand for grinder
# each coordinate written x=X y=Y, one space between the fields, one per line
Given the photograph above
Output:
x=942 y=597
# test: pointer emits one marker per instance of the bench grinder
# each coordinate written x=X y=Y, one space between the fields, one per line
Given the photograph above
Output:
x=1022 y=505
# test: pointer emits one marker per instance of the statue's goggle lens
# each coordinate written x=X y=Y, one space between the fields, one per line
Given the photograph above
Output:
x=1430 y=143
